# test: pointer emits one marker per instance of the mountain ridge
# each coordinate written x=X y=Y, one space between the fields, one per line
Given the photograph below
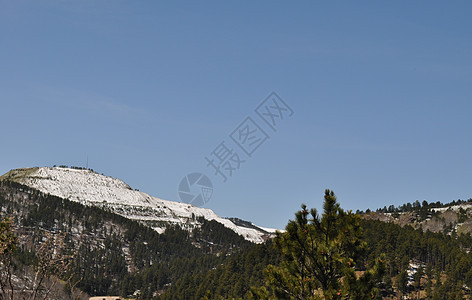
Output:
x=449 y=218
x=92 y=189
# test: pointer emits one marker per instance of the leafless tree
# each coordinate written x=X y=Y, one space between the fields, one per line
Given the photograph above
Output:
x=8 y=243
x=40 y=281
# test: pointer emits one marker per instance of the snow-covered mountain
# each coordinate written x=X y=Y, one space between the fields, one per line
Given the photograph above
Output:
x=90 y=188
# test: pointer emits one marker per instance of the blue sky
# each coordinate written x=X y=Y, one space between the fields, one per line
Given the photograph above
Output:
x=380 y=93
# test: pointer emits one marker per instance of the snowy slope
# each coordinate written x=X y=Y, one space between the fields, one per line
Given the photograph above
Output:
x=90 y=188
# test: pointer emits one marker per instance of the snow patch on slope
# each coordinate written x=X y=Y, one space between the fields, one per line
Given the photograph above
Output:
x=90 y=188
x=453 y=207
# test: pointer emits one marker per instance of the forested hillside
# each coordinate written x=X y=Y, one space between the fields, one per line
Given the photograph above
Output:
x=417 y=263
x=82 y=251
x=111 y=254
x=452 y=218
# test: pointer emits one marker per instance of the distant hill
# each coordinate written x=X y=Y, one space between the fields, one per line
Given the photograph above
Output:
x=112 y=194
x=128 y=243
x=112 y=254
x=450 y=218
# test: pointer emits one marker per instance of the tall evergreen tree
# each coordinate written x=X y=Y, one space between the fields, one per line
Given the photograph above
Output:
x=318 y=252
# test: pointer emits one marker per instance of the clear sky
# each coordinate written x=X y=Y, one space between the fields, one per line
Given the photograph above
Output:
x=381 y=94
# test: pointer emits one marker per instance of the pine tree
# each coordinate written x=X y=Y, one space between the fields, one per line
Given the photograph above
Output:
x=402 y=281
x=320 y=251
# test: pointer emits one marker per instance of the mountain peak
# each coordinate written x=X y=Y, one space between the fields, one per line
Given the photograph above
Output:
x=90 y=188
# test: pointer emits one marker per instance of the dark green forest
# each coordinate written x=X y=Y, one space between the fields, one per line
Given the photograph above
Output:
x=349 y=257
x=446 y=271
x=112 y=254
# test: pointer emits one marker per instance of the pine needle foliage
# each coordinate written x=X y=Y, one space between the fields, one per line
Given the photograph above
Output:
x=320 y=256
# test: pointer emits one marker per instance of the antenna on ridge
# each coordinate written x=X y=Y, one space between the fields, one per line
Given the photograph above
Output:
x=87 y=163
